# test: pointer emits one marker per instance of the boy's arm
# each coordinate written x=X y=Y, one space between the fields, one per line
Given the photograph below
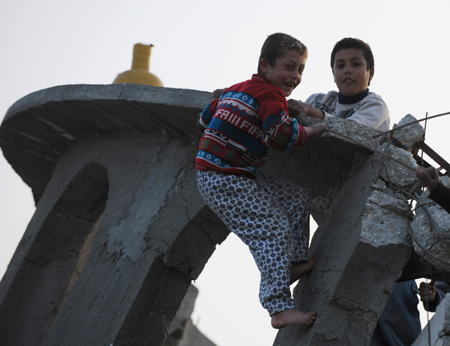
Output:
x=280 y=130
x=315 y=130
x=371 y=114
x=205 y=117
x=296 y=134
x=428 y=296
x=441 y=195
x=297 y=107
x=429 y=177
x=432 y=294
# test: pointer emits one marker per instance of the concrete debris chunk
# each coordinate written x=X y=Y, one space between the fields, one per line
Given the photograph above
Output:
x=395 y=173
x=408 y=136
x=431 y=231
x=383 y=221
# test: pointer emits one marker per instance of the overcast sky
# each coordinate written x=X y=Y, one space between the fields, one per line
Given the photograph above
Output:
x=205 y=45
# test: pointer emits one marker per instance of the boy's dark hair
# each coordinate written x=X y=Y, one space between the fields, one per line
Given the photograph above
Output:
x=348 y=43
x=277 y=45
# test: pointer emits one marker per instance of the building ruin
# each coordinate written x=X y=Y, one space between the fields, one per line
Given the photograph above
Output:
x=109 y=167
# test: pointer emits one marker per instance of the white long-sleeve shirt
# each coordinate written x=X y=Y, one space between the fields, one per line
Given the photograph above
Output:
x=370 y=111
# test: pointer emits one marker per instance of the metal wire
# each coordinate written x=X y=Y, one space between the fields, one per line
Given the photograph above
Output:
x=411 y=123
x=167 y=331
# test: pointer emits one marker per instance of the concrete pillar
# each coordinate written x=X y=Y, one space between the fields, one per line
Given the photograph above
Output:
x=137 y=192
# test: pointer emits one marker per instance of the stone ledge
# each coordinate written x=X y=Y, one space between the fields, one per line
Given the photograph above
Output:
x=42 y=126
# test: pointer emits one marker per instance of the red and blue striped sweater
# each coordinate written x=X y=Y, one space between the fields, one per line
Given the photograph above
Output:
x=240 y=126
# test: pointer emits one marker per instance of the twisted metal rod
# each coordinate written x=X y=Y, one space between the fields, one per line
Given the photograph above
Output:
x=422 y=247
x=411 y=123
x=166 y=330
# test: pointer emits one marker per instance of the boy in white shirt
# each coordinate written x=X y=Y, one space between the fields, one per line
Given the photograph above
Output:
x=352 y=64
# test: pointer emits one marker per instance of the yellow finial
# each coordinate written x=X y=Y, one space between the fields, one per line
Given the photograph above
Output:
x=140 y=68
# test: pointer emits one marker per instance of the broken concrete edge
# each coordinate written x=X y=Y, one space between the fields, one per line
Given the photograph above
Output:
x=404 y=138
x=188 y=98
x=42 y=126
x=361 y=136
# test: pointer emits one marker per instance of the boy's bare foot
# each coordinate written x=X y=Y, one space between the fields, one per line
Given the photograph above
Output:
x=300 y=270
x=293 y=316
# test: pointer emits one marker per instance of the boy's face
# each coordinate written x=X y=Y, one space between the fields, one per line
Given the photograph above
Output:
x=350 y=72
x=287 y=71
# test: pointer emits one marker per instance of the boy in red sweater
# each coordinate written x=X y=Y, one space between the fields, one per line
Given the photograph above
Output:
x=269 y=214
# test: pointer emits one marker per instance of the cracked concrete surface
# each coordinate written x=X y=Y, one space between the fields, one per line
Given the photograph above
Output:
x=118 y=160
